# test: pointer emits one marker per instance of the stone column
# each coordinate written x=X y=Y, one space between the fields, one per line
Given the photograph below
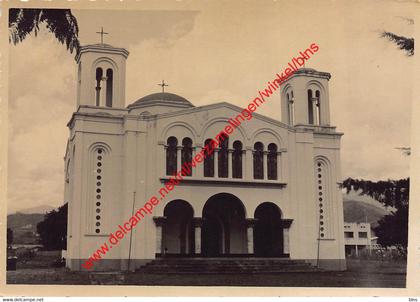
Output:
x=249 y=163
x=286 y=248
x=250 y=223
x=197 y=222
x=279 y=177
x=291 y=112
x=243 y=159
x=265 y=165
x=318 y=111
x=159 y=222
x=230 y=163
x=216 y=162
x=286 y=223
x=178 y=158
x=193 y=170
x=199 y=170
x=315 y=110
x=165 y=150
x=102 y=101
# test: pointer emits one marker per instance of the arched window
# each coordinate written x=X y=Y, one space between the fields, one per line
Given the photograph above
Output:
x=318 y=107
x=258 y=161
x=99 y=74
x=310 y=108
x=272 y=161
x=208 y=160
x=171 y=156
x=223 y=161
x=237 y=160
x=186 y=153
x=109 y=83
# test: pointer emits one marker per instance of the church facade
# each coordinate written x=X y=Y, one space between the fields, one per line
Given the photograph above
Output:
x=270 y=189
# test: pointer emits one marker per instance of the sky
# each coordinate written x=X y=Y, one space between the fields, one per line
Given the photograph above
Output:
x=216 y=51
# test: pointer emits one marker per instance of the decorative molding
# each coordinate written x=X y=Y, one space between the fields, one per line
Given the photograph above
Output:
x=159 y=220
x=227 y=181
x=198 y=221
x=286 y=223
x=250 y=222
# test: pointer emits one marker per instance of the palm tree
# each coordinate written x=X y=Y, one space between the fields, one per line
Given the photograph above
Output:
x=61 y=22
x=403 y=43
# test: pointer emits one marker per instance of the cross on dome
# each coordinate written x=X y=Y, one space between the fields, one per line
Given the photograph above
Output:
x=163 y=85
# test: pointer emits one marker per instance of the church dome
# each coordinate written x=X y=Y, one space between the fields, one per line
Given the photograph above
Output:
x=161 y=99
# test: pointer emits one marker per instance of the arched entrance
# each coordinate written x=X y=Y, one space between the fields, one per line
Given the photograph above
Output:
x=268 y=231
x=178 y=230
x=223 y=231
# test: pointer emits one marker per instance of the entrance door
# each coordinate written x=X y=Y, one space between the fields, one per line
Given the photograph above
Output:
x=178 y=231
x=268 y=231
x=223 y=230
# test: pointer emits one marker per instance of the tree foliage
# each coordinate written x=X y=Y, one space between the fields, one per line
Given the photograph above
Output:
x=53 y=229
x=60 y=22
x=9 y=237
x=392 y=193
x=392 y=229
x=406 y=44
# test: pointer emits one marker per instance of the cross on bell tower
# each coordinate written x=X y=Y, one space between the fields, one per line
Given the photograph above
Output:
x=163 y=85
x=102 y=33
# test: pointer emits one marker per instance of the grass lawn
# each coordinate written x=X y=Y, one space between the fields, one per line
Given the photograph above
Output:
x=360 y=273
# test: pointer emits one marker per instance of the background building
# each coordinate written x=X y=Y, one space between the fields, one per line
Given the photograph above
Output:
x=357 y=238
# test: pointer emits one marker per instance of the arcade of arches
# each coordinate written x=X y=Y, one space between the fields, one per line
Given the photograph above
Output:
x=223 y=229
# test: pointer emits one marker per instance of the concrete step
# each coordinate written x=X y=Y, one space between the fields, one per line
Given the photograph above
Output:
x=225 y=265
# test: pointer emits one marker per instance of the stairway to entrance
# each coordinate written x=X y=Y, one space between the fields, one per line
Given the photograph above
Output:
x=225 y=266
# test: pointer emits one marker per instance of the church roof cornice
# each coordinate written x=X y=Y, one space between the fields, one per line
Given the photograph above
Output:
x=226 y=105
x=102 y=48
x=311 y=72
x=120 y=113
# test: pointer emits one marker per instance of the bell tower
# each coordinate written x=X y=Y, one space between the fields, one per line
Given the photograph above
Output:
x=101 y=76
x=305 y=98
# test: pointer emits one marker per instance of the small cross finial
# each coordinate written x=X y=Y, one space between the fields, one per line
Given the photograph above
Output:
x=163 y=85
x=102 y=33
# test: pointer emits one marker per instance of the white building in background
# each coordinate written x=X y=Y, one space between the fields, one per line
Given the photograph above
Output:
x=358 y=238
x=271 y=189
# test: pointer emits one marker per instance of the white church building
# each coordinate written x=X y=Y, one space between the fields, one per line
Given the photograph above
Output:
x=272 y=189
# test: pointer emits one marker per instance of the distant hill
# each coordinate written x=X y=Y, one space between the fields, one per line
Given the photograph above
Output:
x=24 y=227
x=42 y=209
x=360 y=211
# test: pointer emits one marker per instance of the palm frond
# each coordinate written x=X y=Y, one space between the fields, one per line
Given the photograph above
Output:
x=403 y=43
x=60 y=22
